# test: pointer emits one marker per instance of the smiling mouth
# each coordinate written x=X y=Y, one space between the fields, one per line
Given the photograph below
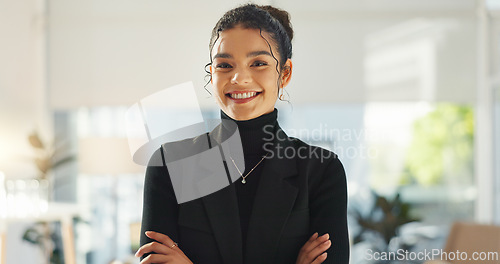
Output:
x=243 y=95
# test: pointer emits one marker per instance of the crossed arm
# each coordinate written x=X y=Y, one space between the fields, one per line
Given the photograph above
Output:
x=166 y=250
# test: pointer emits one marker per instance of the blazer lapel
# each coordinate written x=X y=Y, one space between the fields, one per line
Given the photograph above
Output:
x=273 y=202
x=222 y=210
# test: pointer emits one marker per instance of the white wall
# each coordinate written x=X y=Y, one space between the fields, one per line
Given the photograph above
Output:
x=116 y=52
x=23 y=105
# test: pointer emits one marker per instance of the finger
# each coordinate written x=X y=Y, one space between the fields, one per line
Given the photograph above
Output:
x=309 y=245
x=162 y=238
x=313 y=237
x=156 y=258
x=310 y=240
x=320 y=259
x=319 y=250
x=152 y=247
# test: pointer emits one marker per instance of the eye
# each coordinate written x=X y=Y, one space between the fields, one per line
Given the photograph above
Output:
x=223 y=65
x=259 y=63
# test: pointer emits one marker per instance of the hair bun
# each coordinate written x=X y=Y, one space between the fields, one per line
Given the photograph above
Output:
x=282 y=16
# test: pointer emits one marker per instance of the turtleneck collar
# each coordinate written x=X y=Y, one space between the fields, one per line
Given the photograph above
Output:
x=254 y=132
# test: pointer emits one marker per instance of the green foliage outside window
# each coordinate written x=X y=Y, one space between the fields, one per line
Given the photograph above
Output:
x=442 y=148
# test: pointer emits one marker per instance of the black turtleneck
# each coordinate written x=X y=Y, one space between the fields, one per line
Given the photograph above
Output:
x=254 y=134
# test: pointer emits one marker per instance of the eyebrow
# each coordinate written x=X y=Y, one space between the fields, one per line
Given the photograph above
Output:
x=251 y=54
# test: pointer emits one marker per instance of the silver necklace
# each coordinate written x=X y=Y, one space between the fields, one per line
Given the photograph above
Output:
x=244 y=177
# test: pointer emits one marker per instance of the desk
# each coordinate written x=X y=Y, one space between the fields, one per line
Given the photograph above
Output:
x=63 y=212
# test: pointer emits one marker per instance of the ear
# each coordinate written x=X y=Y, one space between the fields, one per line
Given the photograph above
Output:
x=286 y=73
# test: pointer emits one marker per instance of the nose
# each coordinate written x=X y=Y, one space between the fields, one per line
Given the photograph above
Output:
x=241 y=76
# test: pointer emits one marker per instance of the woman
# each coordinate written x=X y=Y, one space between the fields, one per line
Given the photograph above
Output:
x=289 y=206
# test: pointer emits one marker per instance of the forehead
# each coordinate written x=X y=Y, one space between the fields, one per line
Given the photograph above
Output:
x=242 y=40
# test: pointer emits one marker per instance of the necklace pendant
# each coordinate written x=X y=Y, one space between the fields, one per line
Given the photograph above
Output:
x=243 y=181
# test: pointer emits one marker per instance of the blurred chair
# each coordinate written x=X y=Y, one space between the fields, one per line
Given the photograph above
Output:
x=471 y=238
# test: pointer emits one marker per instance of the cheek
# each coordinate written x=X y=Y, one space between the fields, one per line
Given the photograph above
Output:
x=269 y=81
x=217 y=83
x=218 y=88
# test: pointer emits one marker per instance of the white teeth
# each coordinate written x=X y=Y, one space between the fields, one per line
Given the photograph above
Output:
x=243 y=95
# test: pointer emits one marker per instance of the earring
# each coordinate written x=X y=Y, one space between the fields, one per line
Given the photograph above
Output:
x=281 y=95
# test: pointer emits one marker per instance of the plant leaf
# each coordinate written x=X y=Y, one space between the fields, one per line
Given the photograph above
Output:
x=43 y=165
x=32 y=236
x=35 y=140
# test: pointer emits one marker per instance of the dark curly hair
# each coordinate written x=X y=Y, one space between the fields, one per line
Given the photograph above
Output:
x=274 y=21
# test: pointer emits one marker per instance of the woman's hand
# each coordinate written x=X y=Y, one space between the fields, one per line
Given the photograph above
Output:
x=164 y=250
x=313 y=251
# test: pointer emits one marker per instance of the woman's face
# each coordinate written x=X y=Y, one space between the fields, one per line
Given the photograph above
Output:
x=244 y=75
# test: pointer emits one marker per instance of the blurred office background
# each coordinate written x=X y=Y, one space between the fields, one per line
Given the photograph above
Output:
x=406 y=92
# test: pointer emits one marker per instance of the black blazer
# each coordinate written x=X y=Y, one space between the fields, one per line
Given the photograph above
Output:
x=302 y=190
